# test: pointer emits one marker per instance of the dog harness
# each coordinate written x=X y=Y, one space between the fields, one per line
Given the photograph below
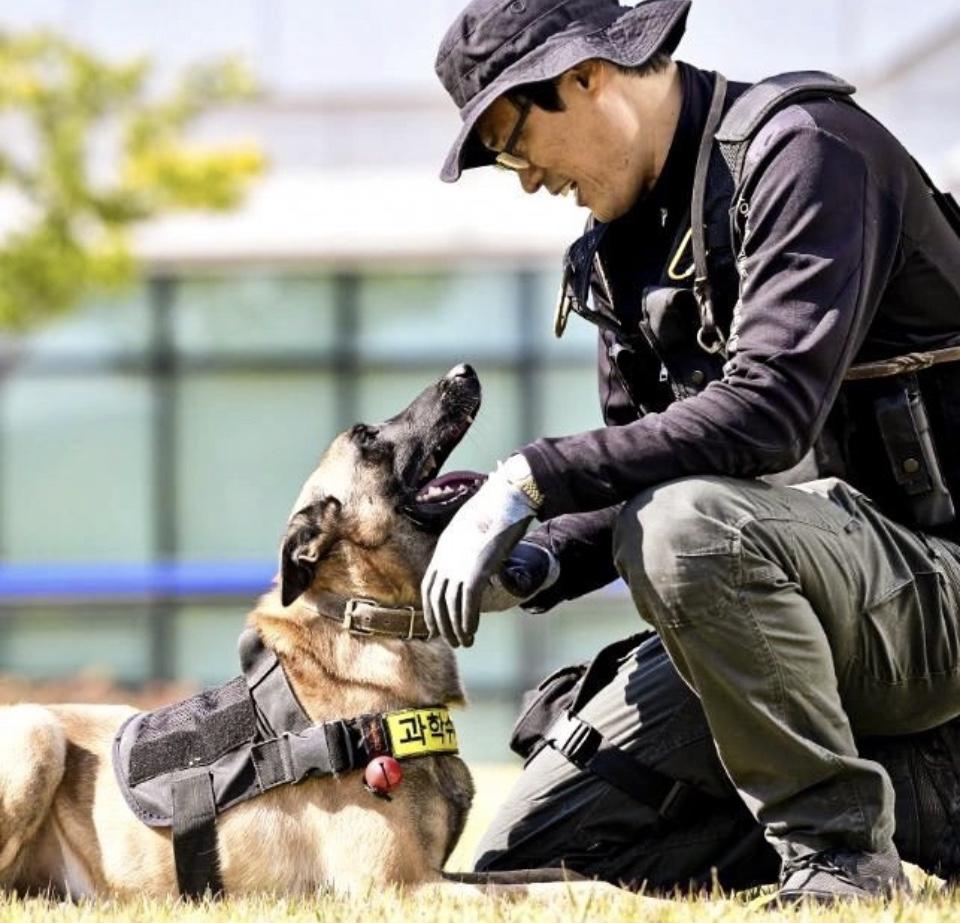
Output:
x=181 y=765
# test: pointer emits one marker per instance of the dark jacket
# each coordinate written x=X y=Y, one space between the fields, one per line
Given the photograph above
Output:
x=842 y=257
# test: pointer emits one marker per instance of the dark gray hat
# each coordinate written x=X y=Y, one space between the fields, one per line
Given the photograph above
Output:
x=495 y=45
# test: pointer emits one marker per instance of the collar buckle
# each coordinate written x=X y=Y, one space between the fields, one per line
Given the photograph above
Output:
x=350 y=612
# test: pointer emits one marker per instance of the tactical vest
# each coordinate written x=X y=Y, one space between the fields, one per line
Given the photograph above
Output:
x=905 y=409
x=183 y=764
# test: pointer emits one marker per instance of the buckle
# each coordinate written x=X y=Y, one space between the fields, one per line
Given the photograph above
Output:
x=350 y=612
x=575 y=739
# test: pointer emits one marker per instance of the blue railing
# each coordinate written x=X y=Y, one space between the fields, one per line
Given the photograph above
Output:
x=84 y=583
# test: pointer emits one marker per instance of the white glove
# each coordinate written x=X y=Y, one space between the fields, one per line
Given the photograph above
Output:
x=471 y=550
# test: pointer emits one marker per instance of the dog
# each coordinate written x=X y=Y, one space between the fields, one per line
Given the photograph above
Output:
x=343 y=623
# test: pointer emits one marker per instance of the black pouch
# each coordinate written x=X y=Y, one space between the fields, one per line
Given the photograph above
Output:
x=905 y=430
x=542 y=706
x=671 y=324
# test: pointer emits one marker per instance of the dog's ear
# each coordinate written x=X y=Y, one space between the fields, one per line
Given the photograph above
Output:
x=310 y=534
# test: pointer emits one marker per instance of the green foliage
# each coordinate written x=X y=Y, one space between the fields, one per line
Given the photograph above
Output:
x=87 y=153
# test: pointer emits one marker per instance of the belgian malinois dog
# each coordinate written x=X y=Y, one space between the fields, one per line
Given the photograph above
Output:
x=343 y=621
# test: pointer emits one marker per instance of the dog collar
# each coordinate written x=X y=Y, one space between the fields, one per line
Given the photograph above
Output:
x=361 y=616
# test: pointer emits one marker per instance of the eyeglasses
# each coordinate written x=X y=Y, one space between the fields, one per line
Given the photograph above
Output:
x=507 y=159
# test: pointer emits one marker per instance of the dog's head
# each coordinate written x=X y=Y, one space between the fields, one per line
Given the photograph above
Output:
x=367 y=519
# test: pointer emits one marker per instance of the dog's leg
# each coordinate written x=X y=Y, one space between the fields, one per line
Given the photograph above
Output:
x=32 y=764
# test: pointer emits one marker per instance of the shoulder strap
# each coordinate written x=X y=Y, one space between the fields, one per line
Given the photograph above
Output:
x=765 y=98
x=720 y=166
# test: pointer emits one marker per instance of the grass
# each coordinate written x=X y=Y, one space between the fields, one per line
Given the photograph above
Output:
x=932 y=904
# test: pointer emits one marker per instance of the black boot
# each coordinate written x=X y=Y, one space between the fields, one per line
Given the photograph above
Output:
x=842 y=875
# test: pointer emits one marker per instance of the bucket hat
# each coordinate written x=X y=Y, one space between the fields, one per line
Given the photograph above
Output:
x=496 y=45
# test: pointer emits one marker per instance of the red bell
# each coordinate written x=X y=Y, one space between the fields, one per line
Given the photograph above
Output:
x=383 y=774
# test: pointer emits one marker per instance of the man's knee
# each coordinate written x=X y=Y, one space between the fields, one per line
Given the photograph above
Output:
x=677 y=544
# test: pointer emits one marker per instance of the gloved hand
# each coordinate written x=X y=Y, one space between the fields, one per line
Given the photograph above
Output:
x=470 y=551
x=528 y=570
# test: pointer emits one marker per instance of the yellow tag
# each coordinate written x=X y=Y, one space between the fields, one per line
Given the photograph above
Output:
x=420 y=731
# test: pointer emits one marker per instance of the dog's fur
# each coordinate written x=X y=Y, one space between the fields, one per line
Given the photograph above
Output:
x=364 y=525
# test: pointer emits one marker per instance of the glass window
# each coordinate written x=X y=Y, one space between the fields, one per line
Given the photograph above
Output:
x=483 y=728
x=49 y=643
x=581 y=627
x=250 y=313
x=76 y=468
x=460 y=315
x=570 y=401
x=105 y=327
x=244 y=446
x=205 y=643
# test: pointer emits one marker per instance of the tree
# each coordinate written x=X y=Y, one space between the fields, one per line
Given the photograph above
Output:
x=87 y=153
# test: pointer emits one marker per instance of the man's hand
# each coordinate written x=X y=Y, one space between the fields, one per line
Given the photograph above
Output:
x=528 y=570
x=471 y=550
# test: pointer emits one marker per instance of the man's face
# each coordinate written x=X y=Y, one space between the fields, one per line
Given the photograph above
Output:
x=592 y=148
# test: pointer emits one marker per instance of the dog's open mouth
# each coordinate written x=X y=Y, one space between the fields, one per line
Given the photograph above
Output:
x=436 y=501
x=438 y=496
x=431 y=498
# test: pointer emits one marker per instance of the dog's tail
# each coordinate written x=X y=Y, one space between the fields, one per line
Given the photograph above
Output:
x=35 y=749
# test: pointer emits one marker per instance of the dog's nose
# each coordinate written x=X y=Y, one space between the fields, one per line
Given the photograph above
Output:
x=461 y=371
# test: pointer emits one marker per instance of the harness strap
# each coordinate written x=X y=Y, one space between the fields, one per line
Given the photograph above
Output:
x=195 y=836
x=755 y=106
x=708 y=336
x=584 y=746
x=588 y=750
x=277 y=707
x=322 y=750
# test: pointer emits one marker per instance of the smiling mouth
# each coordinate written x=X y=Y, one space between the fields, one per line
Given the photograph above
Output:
x=568 y=187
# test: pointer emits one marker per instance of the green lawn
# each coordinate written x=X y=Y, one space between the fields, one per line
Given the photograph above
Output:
x=930 y=905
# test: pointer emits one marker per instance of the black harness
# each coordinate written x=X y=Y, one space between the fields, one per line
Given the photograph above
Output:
x=181 y=765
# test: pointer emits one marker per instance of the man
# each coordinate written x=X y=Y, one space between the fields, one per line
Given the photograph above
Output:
x=776 y=485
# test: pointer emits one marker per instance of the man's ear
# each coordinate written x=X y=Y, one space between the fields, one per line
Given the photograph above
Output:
x=310 y=533
x=587 y=74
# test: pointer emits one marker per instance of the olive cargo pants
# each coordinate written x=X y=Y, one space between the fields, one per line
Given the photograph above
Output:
x=803 y=618
x=558 y=814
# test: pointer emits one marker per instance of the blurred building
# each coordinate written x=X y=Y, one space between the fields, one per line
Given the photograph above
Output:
x=151 y=445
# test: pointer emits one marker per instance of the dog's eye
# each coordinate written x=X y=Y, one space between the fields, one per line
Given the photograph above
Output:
x=367 y=440
x=363 y=435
